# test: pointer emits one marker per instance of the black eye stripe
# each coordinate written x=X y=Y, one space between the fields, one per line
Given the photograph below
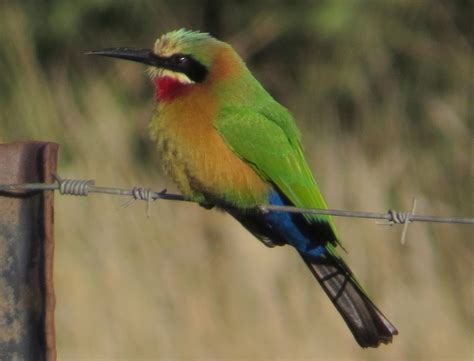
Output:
x=179 y=59
x=187 y=65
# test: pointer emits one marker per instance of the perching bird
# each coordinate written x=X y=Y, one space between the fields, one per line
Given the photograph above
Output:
x=226 y=142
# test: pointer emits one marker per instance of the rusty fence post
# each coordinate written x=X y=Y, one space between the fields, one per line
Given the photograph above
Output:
x=26 y=254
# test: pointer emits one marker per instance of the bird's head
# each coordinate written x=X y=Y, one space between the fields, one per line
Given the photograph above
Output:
x=180 y=60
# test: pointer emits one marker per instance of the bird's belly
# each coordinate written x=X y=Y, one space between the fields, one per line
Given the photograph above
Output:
x=204 y=168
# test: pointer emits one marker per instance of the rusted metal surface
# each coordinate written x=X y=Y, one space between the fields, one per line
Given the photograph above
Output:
x=26 y=254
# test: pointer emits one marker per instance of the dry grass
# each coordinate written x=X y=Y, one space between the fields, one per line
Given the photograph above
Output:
x=192 y=284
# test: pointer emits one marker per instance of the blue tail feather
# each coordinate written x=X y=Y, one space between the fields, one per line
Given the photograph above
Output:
x=310 y=237
x=287 y=227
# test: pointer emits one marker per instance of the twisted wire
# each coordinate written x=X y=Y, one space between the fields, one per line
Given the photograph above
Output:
x=79 y=187
x=74 y=187
x=399 y=217
x=143 y=194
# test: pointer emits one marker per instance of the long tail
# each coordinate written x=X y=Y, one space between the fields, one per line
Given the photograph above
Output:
x=368 y=325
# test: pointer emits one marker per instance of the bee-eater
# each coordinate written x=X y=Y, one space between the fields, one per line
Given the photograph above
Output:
x=226 y=142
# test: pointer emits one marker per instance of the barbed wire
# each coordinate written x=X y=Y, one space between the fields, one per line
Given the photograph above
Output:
x=82 y=187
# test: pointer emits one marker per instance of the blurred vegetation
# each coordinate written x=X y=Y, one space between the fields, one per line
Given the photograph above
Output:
x=383 y=93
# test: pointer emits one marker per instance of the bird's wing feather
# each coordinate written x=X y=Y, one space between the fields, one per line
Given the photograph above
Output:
x=269 y=141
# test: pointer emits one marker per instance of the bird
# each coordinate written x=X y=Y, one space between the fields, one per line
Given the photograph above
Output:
x=227 y=143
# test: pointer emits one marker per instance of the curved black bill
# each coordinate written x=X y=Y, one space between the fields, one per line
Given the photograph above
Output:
x=145 y=56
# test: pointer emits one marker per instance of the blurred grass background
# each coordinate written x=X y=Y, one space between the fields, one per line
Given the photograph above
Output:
x=382 y=91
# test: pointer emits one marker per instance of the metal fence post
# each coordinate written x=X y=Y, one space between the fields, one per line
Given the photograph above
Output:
x=26 y=253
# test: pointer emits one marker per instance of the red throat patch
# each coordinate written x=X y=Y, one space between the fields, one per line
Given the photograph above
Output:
x=168 y=88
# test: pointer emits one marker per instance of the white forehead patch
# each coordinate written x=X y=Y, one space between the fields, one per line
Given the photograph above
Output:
x=165 y=47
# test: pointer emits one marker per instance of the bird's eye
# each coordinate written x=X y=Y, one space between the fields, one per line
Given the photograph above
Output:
x=185 y=64
x=180 y=60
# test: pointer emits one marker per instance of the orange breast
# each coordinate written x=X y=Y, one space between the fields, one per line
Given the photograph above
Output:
x=195 y=155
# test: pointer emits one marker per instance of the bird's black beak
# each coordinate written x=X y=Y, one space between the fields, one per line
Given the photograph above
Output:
x=145 y=56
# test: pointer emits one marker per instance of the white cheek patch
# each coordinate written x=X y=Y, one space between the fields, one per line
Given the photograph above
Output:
x=155 y=72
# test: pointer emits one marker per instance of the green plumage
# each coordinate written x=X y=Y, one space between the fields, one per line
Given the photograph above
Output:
x=272 y=147
x=226 y=141
x=263 y=133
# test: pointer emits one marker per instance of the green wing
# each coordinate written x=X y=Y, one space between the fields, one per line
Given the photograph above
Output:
x=269 y=141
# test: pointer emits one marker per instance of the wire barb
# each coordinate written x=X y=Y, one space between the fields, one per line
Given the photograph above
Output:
x=143 y=194
x=74 y=187
x=408 y=220
x=398 y=217
x=80 y=187
x=405 y=218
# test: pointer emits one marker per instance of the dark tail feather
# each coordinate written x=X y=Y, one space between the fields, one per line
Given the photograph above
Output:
x=368 y=325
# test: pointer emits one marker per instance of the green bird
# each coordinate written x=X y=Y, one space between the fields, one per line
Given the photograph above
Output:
x=226 y=142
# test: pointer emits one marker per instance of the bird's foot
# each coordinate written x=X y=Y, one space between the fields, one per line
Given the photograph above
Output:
x=207 y=205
